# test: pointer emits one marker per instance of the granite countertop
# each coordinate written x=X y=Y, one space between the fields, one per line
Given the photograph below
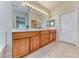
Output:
x=26 y=30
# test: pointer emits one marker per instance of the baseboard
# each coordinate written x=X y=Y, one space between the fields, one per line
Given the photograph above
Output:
x=68 y=43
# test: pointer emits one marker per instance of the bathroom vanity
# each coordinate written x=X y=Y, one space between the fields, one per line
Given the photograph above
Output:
x=31 y=32
x=27 y=41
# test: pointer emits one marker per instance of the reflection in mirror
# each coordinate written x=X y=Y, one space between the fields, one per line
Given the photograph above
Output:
x=51 y=23
x=34 y=23
x=20 y=22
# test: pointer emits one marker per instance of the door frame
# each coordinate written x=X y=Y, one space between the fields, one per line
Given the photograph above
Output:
x=60 y=21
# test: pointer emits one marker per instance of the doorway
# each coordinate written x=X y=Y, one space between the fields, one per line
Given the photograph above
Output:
x=67 y=27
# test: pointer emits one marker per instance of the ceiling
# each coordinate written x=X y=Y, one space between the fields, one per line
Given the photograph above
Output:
x=48 y=4
x=19 y=8
x=51 y=4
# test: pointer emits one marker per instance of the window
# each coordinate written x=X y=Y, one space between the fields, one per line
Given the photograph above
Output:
x=51 y=23
x=20 y=22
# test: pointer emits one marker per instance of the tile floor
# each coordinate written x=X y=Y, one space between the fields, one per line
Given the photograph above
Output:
x=56 y=50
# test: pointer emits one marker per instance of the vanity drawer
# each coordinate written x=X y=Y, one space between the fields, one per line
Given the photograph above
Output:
x=53 y=31
x=45 y=36
x=45 y=32
x=17 y=35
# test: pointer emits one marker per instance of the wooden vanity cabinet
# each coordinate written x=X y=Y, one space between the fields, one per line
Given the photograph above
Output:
x=24 y=43
x=20 y=44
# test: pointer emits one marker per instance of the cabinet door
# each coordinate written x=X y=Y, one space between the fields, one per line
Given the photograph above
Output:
x=52 y=35
x=23 y=46
x=15 y=48
x=34 y=43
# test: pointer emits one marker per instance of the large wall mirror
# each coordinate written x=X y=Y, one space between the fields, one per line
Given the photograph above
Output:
x=20 y=17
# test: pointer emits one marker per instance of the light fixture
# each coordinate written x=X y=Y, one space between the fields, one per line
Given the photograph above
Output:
x=25 y=4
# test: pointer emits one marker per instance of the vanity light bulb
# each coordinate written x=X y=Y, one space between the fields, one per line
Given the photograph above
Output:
x=32 y=7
